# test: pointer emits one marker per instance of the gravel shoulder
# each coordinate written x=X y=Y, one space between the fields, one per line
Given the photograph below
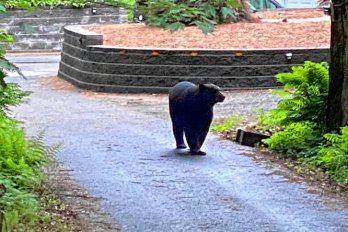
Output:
x=86 y=211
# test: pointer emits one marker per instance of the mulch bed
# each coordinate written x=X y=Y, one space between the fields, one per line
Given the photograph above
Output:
x=308 y=28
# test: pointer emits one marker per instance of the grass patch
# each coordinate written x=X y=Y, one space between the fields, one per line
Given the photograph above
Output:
x=229 y=123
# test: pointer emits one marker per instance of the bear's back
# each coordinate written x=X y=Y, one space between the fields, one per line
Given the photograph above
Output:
x=182 y=92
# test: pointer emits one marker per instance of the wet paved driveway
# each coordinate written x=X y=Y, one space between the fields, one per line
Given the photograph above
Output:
x=120 y=148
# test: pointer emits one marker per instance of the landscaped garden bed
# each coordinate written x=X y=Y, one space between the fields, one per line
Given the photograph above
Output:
x=311 y=30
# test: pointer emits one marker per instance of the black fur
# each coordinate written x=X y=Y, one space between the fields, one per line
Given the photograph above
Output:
x=191 y=111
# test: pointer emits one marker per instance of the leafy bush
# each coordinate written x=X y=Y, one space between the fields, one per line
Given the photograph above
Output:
x=304 y=95
x=175 y=14
x=297 y=139
x=300 y=114
x=18 y=205
x=300 y=121
x=333 y=157
x=11 y=94
x=21 y=160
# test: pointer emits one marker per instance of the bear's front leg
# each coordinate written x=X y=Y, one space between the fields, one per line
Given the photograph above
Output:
x=202 y=135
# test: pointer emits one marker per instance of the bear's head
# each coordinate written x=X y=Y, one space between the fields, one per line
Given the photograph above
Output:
x=211 y=93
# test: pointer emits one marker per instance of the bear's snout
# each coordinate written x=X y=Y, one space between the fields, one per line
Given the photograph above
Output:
x=221 y=98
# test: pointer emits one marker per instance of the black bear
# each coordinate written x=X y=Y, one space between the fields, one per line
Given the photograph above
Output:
x=191 y=111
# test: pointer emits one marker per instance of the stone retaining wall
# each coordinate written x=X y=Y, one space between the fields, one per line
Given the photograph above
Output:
x=90 y=65
x=43 y=28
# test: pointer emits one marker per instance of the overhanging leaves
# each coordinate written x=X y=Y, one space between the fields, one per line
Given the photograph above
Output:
x=176 y=26
x=173 y=15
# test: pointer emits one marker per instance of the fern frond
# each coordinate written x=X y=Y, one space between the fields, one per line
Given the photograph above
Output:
x=333 y=138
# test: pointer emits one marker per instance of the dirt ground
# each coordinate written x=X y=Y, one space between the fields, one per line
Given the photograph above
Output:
x=306 y=28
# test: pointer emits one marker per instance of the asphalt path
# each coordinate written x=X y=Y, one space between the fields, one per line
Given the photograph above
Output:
x=120 y=147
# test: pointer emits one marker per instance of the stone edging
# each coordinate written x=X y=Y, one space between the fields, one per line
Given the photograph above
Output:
x=88 y=64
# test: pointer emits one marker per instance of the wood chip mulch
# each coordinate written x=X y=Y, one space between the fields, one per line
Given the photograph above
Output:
x=308 y=28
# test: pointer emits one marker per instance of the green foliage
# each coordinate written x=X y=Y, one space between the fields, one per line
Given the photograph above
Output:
x=264 y=120
x=304 y=95
x=36 y=3
x=21 y=160
x=231 y=122
x=333 y=157
x=297 y=139
x=74 y=3
x=19 y=205
x=11 y=94
x=127 y=4
x=176 y=14
x=299 y=120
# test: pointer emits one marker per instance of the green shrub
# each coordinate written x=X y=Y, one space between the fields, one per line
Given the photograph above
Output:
x=175 y=14
x=21 y=161
x=10 y=94
x=299 y=120
x=20 y=158
x=333 y=157
x=18 y=205
x=297 y=139
x=304 y=95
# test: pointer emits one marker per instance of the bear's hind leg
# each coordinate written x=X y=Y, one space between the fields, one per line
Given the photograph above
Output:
x=179 y=136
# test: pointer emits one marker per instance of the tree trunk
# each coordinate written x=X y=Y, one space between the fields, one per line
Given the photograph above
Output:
x=337 y=110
